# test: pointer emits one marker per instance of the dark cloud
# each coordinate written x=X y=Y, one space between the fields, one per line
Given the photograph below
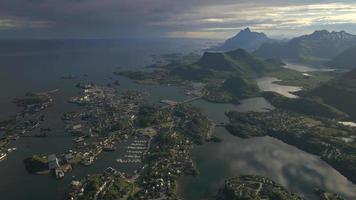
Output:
x=137 y=18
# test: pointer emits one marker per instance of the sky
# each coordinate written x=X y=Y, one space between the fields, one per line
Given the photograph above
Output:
x=212 y=19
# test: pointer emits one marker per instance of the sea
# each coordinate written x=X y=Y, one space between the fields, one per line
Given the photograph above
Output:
x=39 y=65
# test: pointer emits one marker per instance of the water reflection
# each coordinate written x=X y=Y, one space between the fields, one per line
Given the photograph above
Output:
x=295 y=169
x=266 y=156
x=305 y=68
x=269 y=84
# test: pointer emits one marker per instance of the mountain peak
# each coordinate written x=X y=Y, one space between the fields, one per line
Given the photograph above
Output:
x=320 y=32
x=245 y=39
x=248 y=30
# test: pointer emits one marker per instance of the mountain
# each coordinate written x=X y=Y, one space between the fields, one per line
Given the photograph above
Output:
x=219 y=65
x=245 y=39
x=339 y=93
x=346 y=59
x=320 y=46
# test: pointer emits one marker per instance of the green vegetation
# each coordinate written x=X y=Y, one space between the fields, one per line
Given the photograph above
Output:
x=106 y=187
x=241 y=87
x=251 y=187
x=346 y=59
x=306 y=106
x=333 y=142
x=339 y=93
x=169 y=157
x=7 y=122
x=294 y=78
x=223 y=65
x=36 y=164
x=232 y=90
x=32 y=98
x=191 y=123
x=228 y=77
x=150 y=115
x=323 y=195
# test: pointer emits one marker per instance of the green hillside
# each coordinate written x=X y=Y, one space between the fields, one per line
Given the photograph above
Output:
x=222 y=65
x=305 y=106
x=346 y=59
x=339 y=93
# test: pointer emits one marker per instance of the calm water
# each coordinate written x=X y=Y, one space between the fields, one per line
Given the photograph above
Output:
x=266 y=156
x=305 y=68
x=269 y=84
x=39 y=69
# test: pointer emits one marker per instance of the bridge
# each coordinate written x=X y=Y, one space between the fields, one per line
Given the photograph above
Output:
x=170 y=103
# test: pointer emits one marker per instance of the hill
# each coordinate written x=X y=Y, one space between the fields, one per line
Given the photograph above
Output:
x=339 y=93
x=305 y=106
x=245 y=39
x=221 y=65
x=346 y=59
x=318 y=47
x=250 y=187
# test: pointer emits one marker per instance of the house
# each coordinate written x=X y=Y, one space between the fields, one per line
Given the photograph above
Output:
x=53 y=162
x=69 y=158
x=77 y=127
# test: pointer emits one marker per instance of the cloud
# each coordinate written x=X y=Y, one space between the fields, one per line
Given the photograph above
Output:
x=290 y=19
x=183 y=18
x=14 y=24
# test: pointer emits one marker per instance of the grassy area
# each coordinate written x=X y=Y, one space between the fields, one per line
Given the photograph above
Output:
x=249 y=187
x=32 y=98
x=295 y=78
x=304 y=105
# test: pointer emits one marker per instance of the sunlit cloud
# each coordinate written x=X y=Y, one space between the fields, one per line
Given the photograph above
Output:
x=9 y=24
x=289 y=19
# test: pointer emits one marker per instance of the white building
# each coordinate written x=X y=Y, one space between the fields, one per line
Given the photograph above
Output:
x=53 y=162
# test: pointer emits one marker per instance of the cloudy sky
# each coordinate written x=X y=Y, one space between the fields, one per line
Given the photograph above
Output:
x=171 y=18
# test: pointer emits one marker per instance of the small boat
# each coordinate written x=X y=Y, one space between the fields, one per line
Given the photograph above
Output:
x=79 y=139
x=3 y=156
x=109 y=148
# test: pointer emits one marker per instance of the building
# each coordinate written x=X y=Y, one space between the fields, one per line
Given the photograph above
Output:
x=53 y=162
x=69 y=158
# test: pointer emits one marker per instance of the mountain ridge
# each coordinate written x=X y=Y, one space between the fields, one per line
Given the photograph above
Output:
x=318 y=47
x=346 y=59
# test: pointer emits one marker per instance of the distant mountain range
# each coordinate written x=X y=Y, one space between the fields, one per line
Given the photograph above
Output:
x=245 y=39
x=346 y=59
x=318 y=47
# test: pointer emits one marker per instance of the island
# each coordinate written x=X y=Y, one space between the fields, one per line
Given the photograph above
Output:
x=250 y=187
x=225 y=77
x=332 y=141
x=253 y=187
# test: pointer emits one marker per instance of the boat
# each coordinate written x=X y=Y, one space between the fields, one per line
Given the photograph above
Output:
x=79 y=139
x=3 y=156
x=109 y=148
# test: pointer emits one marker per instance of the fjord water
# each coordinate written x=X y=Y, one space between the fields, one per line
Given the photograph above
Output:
x=24 y=69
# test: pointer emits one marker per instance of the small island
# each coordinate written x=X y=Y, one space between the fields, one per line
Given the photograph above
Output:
x=251 y=187
x=37 y=164
x=33 y=98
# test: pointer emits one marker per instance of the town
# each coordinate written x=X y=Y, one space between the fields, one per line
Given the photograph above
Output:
x=156 y=138
x=26 y=121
